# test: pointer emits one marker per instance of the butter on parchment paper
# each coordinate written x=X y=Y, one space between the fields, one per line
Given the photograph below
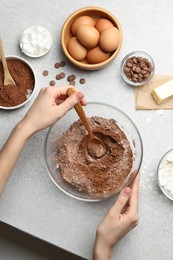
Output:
x=163 y=92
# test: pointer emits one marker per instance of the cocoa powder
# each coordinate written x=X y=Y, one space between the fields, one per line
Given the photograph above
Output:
x=11 y=95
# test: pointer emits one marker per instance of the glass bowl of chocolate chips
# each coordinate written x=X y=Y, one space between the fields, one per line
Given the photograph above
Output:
x=137 y=68
x=82 y=175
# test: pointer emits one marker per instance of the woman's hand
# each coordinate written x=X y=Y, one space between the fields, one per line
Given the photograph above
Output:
x=51 y=104
x=120 y=219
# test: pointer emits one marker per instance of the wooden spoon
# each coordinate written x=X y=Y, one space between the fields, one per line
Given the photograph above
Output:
x=8 y=80
x=95 y=146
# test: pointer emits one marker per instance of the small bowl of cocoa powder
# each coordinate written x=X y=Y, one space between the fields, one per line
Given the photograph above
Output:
x=137 y=68
x=16 y=96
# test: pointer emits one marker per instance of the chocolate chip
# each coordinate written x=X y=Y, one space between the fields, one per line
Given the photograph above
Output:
x=134 y=68
x=126 y=69
x=52 y=83
x=62 y=75
x=129 y=64
x=143 y=72
x=150 y=69
x=146 y=75
x=82 y=81
x=128 y=75
x=140 y=75
x=45 y=72
x=58 y=77
x=135 y=60
x=62 y=63
x=135 y=75
x=71 y=78
x=138 y=70
x=57 y=65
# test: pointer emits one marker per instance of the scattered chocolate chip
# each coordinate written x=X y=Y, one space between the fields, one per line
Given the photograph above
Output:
x=52 y=83
x=58 y=77
x=45 y=72
x=57 y=65
x=71 y=78
x=62 y=75
x=82 y=81
x=62 y=63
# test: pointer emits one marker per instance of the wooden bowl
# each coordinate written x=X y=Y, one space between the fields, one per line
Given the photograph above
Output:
x=96 y=13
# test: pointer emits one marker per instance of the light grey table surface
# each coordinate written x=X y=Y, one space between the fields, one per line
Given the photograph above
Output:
x=31 y=201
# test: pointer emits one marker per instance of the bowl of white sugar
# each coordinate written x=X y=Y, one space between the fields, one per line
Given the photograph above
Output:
x=35 y=41
x=165 y=174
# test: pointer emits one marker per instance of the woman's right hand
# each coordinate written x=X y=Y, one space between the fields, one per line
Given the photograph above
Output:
x=51 y=104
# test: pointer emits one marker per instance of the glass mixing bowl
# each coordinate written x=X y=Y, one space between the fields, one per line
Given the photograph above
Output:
x=92 y=109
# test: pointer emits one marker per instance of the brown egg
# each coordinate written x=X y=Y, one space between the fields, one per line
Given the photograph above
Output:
x=76 y=49
x=88 y=36
x=97 y=55
x=103 y=24
x=110 y=39
x=80 y=21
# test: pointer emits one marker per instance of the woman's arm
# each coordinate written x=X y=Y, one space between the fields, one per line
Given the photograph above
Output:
x=120 y=219
x=51 y=104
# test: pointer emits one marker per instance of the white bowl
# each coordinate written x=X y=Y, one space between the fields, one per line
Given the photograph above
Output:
x=166 y=174
x=41 y=44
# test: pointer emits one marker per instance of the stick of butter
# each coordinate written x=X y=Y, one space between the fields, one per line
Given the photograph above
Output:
x=163 y=92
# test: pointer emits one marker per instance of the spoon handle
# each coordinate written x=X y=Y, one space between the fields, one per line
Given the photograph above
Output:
x=79 y=109
x=3 y=56
x=7 y=76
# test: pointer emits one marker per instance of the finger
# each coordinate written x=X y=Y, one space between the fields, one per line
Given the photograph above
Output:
x=58 y=91
x=134 y=199
x=83 y=101
x=64 y=97
x=122 y=200
x=61 y=93
x=72 y=101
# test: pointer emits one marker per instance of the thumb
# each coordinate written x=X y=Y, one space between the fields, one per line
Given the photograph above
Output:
x=122 y=200
x=72 y=101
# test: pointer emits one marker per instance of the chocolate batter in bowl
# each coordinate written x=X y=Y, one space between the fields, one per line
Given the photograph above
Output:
x=75 y=171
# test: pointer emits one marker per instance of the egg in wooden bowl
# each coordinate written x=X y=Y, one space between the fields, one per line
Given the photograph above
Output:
x=91 y=38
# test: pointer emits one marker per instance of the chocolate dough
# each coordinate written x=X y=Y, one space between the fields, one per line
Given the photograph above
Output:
x=95 y=175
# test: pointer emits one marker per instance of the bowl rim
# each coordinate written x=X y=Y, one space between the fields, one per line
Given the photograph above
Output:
x=122 y=66
x=130 y=181
x=34 y=88
x=164 y=191
x=88 y=66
